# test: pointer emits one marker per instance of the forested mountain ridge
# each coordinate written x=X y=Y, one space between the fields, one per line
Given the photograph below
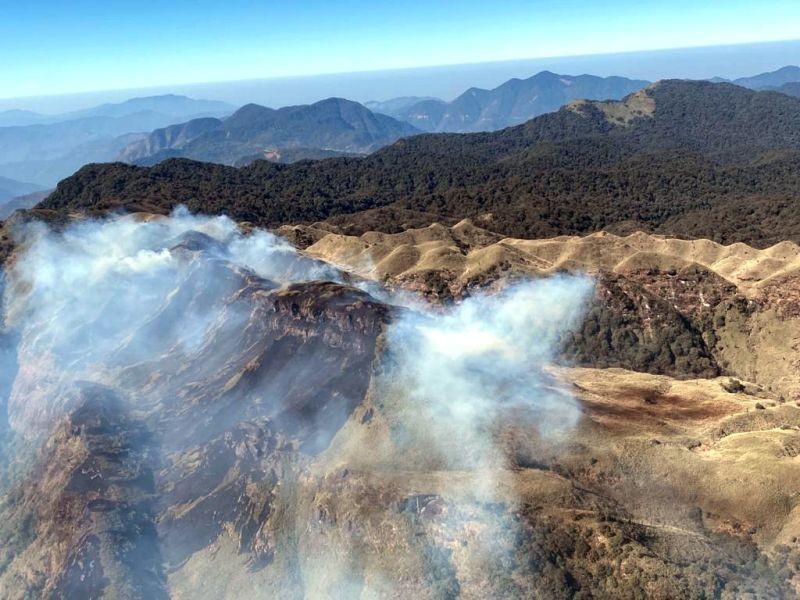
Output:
x=334 y=124
x=511 y=103
x=684 y=158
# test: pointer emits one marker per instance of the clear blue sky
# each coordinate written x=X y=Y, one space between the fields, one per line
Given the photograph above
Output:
x=60 y=46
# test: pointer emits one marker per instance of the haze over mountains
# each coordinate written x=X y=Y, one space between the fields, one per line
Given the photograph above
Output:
x=168 y=105
x=43 y=149
x=771 y=80
x=680 y=157
x=552 y=360
x=512 y=103
x=335 y=125
x=295 y=133
x=10 y=188
x=448 y=81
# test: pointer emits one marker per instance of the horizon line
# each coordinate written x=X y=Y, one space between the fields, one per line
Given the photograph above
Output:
x=392 y=70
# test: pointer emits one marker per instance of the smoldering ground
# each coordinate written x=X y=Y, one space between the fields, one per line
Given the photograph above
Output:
x=162 y=312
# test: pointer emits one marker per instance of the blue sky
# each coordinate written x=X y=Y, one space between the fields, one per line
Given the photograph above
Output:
x=55 y=46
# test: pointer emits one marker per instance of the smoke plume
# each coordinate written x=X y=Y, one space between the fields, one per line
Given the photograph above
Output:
x=157 y=308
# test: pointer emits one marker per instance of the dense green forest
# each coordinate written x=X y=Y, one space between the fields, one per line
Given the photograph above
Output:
x=711 y=160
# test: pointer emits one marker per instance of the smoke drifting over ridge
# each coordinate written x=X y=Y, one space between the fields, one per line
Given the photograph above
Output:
x=177 y=317
x=104 y=295
x=482 y=361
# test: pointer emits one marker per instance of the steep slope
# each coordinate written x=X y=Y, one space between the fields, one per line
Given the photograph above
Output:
x=333 y=124
x=513 y=102
x=680 y=158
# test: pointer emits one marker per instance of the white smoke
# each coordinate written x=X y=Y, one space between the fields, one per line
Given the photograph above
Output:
x=457 y=385
x=105 y=295
x=77 y=298
x=466 y=369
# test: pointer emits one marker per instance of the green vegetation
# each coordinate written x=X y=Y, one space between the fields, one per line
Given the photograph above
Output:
x=714 y=161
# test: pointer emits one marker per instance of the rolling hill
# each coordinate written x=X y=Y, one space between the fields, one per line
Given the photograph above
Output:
x=267 y=422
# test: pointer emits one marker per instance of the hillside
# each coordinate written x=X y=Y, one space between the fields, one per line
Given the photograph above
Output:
x=334 y=124
x=511 y=103
x=256 y=421
x=679 y=158
x=791 y=89
x=737 y=304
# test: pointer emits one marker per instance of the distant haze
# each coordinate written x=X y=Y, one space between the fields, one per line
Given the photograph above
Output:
x=447 y=82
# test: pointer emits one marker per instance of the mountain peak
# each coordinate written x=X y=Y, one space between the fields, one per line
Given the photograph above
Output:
x=514 y=102
x=326 y=128
x=772 y=79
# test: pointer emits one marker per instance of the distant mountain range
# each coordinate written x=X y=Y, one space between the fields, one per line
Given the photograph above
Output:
x=791 y=89
x=11 y=188
x=687 y=158
x=171 y=105
x=512 y=103
x=19 y=118
x=397 y=105
x=46 y=148
x=333 y=125
x=771 y=80
x=8 y=206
